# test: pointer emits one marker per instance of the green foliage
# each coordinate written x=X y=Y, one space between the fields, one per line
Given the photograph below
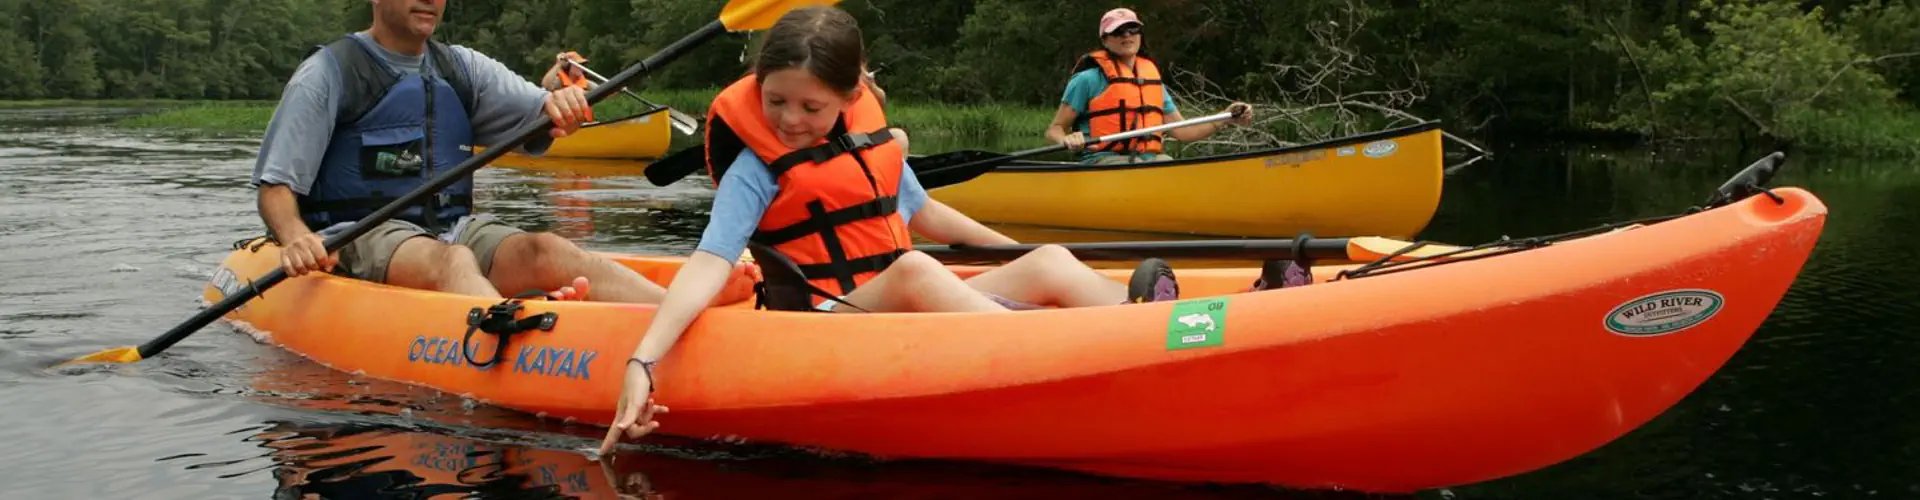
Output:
x=1770 y=67
x=1484 y=66
x=1891 y=30
x=917 y=117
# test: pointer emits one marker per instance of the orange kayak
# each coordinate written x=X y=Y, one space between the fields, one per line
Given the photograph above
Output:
x=1386 y=382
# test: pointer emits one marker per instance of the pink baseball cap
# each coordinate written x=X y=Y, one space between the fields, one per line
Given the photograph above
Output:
x=1116 y=18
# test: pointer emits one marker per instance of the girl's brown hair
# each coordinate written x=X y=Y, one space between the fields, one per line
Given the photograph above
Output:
x=823 y=40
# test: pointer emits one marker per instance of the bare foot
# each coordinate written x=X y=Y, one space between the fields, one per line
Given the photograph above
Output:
x=576 y=292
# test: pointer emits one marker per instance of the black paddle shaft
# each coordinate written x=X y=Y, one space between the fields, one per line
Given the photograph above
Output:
x=520 y=137
x=1264 y=249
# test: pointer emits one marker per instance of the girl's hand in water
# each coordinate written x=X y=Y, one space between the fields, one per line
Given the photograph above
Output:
x=634 y=415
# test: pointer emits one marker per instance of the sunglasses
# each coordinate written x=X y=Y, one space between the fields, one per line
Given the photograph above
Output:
x=1129 y=30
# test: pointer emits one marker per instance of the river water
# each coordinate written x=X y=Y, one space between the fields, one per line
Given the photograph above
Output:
x=106 y=237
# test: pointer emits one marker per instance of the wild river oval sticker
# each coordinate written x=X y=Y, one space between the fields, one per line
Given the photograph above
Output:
x=1665 y=312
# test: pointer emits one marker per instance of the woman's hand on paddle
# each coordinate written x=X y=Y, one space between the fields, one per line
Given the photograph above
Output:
x=306 y=253
x=569 y=109
x=1074 y=141
x=634 y=416
x=1242 y=113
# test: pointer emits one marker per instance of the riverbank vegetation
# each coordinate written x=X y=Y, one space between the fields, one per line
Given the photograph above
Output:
x=1837 y=76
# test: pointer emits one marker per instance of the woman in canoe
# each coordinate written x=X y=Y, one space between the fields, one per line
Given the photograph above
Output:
x=808 y=172
x=1117 y=89
x=552 y=80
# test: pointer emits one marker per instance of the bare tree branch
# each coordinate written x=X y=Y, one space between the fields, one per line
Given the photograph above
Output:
x=1860 y=62
x=1764 y=129
x=1653 y=111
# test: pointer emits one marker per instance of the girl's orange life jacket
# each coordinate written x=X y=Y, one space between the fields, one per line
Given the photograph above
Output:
x=836 y=215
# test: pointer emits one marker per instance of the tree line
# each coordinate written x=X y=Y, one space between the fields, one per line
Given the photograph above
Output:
x=1798 y=71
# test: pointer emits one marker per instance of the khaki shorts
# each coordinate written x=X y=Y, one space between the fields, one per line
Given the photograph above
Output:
x=367 y=257
x=1119 y=159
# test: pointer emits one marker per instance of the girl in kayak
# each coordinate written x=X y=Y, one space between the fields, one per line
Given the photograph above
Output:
x=808 y=172
x=1116 y=89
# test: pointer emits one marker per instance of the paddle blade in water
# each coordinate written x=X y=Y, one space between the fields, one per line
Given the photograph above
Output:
x=744 y=15
x=127 y=354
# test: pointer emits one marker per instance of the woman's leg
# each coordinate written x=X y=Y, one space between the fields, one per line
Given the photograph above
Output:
x=917 y=283
x=1050 y=275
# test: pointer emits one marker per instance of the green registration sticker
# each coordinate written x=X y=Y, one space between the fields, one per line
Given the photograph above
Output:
x=1197 y=323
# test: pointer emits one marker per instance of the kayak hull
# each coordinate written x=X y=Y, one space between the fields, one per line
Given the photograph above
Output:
x=1381 y=184
x=1378 y=383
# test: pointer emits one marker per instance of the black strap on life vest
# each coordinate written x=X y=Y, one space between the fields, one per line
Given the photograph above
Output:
x=880 y=207
x=1139 y=110
x=839 y=266
x=1128 y=123
x=844 y=268
x=842 y=143
x=785 y=286
x=365 y=79
x=498 y=320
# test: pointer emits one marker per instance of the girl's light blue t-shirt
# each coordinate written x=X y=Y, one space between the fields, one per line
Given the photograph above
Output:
x=746 y=190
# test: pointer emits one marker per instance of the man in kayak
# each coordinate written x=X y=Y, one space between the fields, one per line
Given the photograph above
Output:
x=376 y=114
x=810 y=178
x=1117 y=89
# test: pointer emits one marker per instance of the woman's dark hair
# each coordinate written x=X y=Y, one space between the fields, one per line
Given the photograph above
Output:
x=823 y=40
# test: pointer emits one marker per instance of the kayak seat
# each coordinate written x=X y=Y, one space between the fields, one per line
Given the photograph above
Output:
x=1287 y=273
x=782 y=287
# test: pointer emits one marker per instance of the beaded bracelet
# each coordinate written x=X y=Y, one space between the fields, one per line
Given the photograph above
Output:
x=646 y=366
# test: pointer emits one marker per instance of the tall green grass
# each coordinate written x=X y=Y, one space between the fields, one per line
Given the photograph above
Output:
x=208 y=116
x=918 y=118
x=985 y=122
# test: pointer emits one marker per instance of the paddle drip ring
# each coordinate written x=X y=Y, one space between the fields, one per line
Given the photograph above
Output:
x=498 y=319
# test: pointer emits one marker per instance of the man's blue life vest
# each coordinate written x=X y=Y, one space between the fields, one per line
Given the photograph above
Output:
x=391 y=135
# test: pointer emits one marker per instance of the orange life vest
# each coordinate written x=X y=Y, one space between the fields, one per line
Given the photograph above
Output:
x=837 y=212
x=1132 y=100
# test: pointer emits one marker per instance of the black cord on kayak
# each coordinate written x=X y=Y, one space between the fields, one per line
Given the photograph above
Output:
x=498 y=319
x=1503 y=246
x=257 y=241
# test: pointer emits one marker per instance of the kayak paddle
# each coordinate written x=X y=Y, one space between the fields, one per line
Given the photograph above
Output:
x=673 y=167
x=1314 y=248
x=738 y=15
x=681 y=121
x=1360 y=249
x=933 y=170
x=955 y=167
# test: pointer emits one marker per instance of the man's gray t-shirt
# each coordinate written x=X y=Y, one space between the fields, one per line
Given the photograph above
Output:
x=302 y=125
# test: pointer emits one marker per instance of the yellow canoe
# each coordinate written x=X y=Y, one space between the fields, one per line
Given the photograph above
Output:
x=640 y=137
x=1385 y=183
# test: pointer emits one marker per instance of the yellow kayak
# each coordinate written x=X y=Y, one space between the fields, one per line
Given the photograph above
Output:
x=1379 y=184
x=640 y=137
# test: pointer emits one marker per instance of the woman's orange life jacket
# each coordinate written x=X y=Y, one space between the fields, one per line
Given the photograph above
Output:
x=1131 y=101
x=837 y=212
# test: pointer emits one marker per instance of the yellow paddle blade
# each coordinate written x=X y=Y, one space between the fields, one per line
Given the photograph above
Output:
x=1375 y=247
x=747 y=15
x=117 y=355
